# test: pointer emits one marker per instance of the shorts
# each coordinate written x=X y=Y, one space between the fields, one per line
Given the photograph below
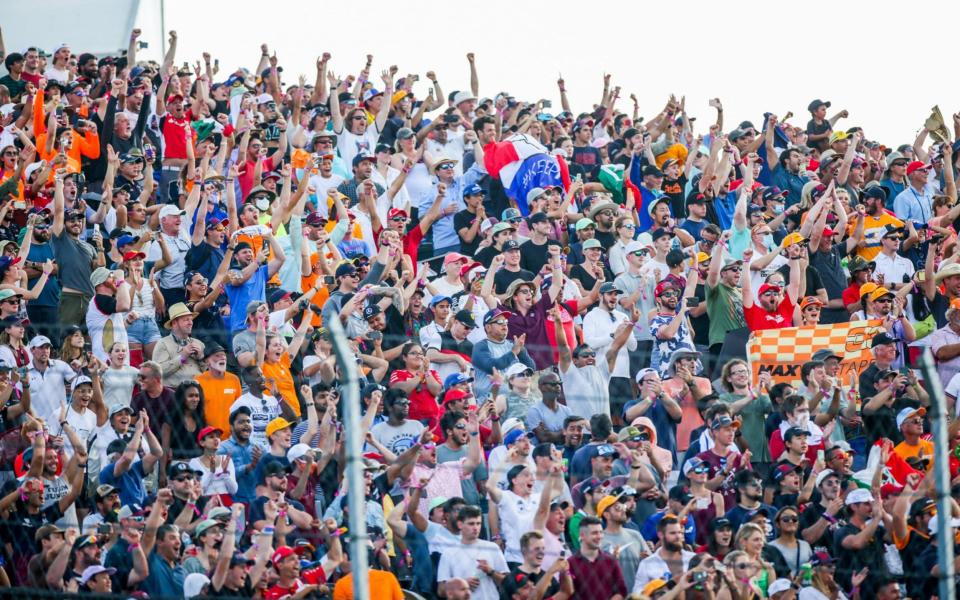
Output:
x=143 y=331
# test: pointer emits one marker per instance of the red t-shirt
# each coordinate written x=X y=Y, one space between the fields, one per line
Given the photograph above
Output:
x=851 y=295
x=174 y=140
x=246 y=176
x=423 y=404
x=314 y=576
x=758 y=318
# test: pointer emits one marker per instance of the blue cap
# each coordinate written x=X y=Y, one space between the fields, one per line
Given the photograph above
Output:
x=438 y=299
x=510 y=213
x=473 y=190
x=126 y=240
x=455 y=379
x=369 y=94
x=515 y=435
x=359 y=158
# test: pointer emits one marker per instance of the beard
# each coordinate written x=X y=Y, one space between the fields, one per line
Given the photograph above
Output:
x=672 y=547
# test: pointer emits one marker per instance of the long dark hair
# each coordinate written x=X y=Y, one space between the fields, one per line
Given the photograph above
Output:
x=180 y=394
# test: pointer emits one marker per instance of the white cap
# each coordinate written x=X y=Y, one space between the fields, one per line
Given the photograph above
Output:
x=509 y=425
x=193 y=584
x=61 y=46
x=906 y=413
x=264 y=98
x=486 y=225
x=858 y=495
x=779 y=585
x=7 y=108
x=80 y=380
x=462 y=97
x=932 y=526
x=297 y=451
x=92 y=571
x=40 y=340
x=170 y=210
x=516 y=369
x=633 y=246
x=30 y=169
x=823 y=475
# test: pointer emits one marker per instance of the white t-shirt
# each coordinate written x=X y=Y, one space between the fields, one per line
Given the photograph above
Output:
x=586 y=390
x=349 y=144
x=309 y=361
x=439 y=538
x=461 y=561
x=516 y=517
x=322 y=184
x=83 y=424
x=262 y=411
x=49 y=389
x=118 y=386
x=398 y=439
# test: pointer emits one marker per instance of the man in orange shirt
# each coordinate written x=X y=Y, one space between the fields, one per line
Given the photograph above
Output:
x=220 y=388
x=910 y=424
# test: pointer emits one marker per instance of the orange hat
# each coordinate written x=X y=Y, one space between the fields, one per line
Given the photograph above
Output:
x=810 y=301
x=867 y=288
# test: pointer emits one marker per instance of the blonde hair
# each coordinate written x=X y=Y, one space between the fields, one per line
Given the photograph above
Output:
x=746 y=530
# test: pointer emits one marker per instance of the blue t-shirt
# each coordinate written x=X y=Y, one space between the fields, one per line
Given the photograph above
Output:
x=649 y=530
x=423 y=569
x=50 y=294
x=130 y=483
x=241 y=295
x=164 y=581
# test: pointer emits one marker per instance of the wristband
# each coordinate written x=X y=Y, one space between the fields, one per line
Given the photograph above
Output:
x=828 y=518
x=132 y=547
x=474 y=433
x=495 y=418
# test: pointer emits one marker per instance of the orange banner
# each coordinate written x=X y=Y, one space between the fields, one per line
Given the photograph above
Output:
x=783 y=351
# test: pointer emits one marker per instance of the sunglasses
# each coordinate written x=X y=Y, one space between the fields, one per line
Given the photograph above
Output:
x=446 y=166
x=789 y=519
x=499 y=322
x=701 y=470
x=587 y=355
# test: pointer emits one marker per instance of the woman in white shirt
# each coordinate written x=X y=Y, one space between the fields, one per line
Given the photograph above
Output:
x=119 y=378
x=625 y=229
x=142 y=330
x=516 y=506
x=217 y=475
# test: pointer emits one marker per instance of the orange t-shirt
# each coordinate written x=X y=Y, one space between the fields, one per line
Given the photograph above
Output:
x=383 y=586
x=218 y=396
x=4 y=176
x=690 y=418
x=283 y=379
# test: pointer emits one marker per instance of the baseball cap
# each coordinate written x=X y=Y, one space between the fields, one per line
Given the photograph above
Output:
x=605 y=503
x=858 y=496
x=510 y=244
x=516 y=434
x=207 y=431
x=179 y=468
x=814 y=105
x=783 y=470
x=465 y=317
x=435 y=301
x=692 y=464
x=723 y=421
x=793 y=432
x=822 y=475
x=169 y=210
x=455 y=379
x=767 y=287
x=454 y=257
x=921 y=506
x=276 y=425
x=371 y=311
x=40 y=340
x=94 y=570
x=517 y=368
x=583 y=223
x=592 y=243
x=493 y=313
x=917 y=166
x=297 y=451
x=908 y=413
x=779 y=585
x=882 y=338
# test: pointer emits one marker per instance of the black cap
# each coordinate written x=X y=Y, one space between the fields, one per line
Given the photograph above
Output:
x=465 y=317
x=877 y=192
x=510 y=245
x=652 y=170
x=273 y=468
x=212 y=348
x=659 y=233
x=921 y=506
x=716 y=524
x=794 y=432
x=179 y=468
x=537 y=217
x=680 y=493
x=371 y=311
x=882 y=338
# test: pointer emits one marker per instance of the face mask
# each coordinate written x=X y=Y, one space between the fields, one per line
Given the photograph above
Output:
x=802 y=419
x=262 y=204
x=778 y=210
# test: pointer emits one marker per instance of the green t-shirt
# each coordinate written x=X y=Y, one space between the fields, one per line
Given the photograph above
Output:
x=753 y=415
x=725 y=309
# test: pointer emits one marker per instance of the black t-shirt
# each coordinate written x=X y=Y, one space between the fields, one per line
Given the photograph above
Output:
x=701 y=324
x=24 y=525
x=177 y=507
x=586 y=279
x=589 y=158
x=463 y=219
x=673 y=189
x=808 y=518
x=106 y=304
x=552 y=589
x=449 y=345
x=485 y=255
x=814 y=129
x=814 y=282
x=938 y=308
x=917 y=544
x=503 y=278
x=245 y=591
x=828 y=266
x=606 y=238
x=849 y=562
x=534 y=256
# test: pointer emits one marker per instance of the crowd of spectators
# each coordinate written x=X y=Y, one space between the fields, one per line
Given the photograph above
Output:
x=555 y=396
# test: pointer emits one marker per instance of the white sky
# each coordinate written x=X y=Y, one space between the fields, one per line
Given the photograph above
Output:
x=883 y=61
